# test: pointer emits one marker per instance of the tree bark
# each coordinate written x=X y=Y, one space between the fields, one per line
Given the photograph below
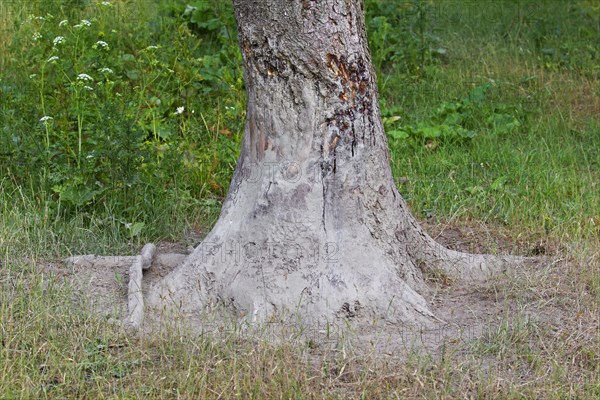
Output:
x=313 y=225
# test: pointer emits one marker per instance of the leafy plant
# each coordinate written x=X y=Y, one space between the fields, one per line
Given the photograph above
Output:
x=401 y=36
x=452 y=121
x=118 y=115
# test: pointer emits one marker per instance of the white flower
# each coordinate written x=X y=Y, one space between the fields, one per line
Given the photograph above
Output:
x=84 y=77
x=36 y=36
x=102 y=44
x=106 y=3
x=52 y=59
x=63 y=22
x=89 y=88
x=58 y=40
x=106 y=70
x=46 y=118
x=180 y=110
x=84 y=22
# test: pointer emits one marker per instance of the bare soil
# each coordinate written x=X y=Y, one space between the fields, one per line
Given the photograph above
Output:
x=548 y=303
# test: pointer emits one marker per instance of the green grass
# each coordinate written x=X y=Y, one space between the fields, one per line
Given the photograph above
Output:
x=492 y=115
x=529 y=160
x=540 y=176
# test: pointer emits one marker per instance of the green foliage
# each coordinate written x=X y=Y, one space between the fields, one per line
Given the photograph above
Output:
x=401 y=36
x=150 y=134
x=107 y=110
x=491 y=109
x=453 y=121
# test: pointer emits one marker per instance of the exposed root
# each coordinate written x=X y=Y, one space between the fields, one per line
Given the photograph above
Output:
x=170 y=260
x=135 y=298
x=183 y=286
x=137 y=264
x=432 y=257
x=474 y=267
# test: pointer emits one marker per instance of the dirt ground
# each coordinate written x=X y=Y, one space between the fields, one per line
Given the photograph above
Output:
x=550 y=298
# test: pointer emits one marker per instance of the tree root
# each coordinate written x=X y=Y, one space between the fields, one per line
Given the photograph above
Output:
x=431 y=258
x=170 y=260
x=137 y=264
x=135 y=299
x=471 y=267
x=434 y=258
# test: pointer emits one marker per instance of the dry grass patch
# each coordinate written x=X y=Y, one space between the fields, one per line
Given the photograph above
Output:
x=532 y=333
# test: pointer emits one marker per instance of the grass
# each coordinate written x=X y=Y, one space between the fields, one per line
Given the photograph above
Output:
x=542 y=175
x=51 y=349
x=492 y=114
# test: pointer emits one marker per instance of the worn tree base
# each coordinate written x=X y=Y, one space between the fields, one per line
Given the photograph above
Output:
x=359 y=281
x=354 y=282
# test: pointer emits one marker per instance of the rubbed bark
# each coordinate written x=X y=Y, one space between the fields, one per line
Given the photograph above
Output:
x=313 y=224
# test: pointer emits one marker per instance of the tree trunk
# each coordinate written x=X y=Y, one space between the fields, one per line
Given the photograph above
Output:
x=313 y=224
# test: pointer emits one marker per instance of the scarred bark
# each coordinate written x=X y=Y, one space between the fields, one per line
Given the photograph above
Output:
x=313 y=225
